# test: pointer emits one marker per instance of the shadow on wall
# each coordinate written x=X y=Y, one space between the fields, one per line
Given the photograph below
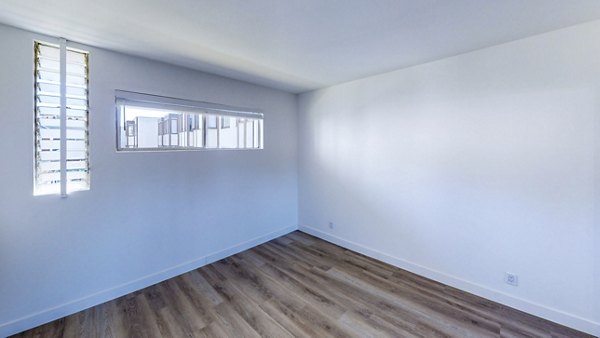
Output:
x=451 y=183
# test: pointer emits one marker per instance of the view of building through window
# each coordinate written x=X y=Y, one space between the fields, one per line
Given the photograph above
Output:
x=153 y=128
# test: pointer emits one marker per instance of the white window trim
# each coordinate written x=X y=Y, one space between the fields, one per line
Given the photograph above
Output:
x=63 y=118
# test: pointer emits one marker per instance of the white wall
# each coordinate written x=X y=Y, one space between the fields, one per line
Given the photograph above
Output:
x=148 y=216
x=468 y=167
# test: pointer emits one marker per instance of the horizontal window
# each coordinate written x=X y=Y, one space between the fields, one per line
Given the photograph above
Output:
x=148 y=122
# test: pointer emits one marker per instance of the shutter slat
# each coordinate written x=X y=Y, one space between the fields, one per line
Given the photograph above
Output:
x=57 y=94
x=56 y=83
x=57 y=71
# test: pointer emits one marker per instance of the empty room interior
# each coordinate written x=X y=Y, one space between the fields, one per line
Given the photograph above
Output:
x=287 y=168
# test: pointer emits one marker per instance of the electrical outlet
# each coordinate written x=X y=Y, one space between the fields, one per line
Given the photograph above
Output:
x=511 y=279
x=331 y=226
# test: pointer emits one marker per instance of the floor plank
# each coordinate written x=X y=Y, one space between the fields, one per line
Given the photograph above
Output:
x=300 y=286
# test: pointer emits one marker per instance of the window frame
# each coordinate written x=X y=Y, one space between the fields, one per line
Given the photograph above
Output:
x=175 y=105
x=63 y=47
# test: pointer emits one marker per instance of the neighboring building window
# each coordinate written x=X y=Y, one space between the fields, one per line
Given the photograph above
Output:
x=148 y=122
x=61 y=119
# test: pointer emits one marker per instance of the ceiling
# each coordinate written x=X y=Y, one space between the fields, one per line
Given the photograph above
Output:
x=295 y=45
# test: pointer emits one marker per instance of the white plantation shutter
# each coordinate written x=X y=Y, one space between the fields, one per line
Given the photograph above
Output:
x=61 y=120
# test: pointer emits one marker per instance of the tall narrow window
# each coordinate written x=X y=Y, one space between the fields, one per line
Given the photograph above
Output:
x=61 y=119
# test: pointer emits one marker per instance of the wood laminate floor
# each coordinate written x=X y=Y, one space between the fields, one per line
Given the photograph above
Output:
x=300 y=286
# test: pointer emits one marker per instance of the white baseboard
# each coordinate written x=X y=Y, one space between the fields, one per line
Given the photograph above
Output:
x=59 y=311
x=557 y=316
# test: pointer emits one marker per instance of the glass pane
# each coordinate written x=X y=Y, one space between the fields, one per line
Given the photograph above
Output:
x=48 y=99
x=76 y=124
x=76 y=80
x=77 y=113
x=43 y=75
x=76 y=154
x=73 y=68
x=49 y=143
x=249 y=134
x=77 y=179
x=255 y=133
x=149 y=128
x=48 y=166
x=48 y=155
x=211 y=132
x=48 y=87
x=76 y=102
x=211 y=122
x=47 y=187
x=48 y=111
x=44 y=133
x=77 y=92
x=50 y=122
x=76 y=164
x=49 y=64
x=49 y=51
x=75 y=57
x=228 y=135
x=76 y=134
